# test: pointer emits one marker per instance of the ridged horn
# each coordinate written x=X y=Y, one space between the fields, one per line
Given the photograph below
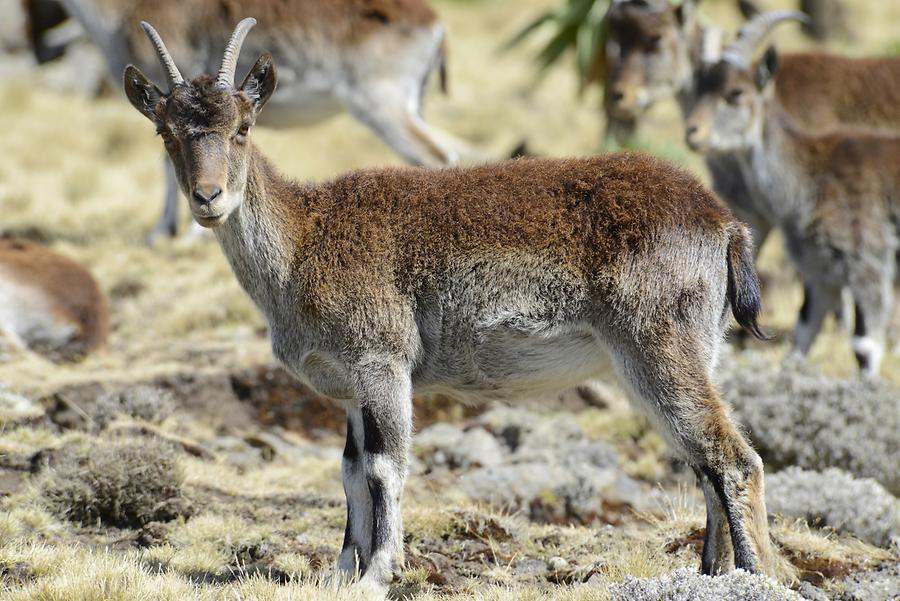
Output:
x=173 y=76
x=740 y=51
x=225 y=78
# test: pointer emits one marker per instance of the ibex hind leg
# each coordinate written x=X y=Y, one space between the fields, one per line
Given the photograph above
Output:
x=671 y=380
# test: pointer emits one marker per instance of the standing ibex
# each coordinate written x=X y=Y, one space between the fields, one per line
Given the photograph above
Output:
x=50 y=303
x=656 y=51
x=835 y=195
x=498 y=282
x=371 y=58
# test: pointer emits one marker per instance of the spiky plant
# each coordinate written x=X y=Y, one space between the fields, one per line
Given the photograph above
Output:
x=577 y=25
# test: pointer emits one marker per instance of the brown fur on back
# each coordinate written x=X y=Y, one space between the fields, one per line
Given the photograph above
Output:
x=822 y=91
x=70 y=290
x=341 y=21
x=406 y=224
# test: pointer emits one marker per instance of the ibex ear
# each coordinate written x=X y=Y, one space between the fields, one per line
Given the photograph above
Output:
x=260 y=82
x=766 y=68
x=141 y=92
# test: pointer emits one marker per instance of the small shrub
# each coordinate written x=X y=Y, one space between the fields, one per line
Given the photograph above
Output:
x=796 y=416
x=835 y=498
x=124 y=483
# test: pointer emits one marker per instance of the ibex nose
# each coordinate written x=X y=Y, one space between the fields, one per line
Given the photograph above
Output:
x=206 y=193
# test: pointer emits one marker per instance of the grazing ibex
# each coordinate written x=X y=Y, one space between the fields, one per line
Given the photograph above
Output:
x=50 y=303
x=657 y=50
x=835 y=195
x=371 y=58
x=491 y=282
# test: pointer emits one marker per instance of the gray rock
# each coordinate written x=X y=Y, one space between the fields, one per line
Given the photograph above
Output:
x=835 y=498
x=796 y=416
x=528 y=434
x=554 y=491
x=688 y=585
x=877 y=585
x=448 y=446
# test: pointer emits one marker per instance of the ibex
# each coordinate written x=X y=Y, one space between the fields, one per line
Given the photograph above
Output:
x=50 y=303
x=372 y=59
x=492 y=282
x=835 y=195
x=656 y=51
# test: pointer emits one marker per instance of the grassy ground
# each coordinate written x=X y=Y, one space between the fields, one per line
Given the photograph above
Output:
x=84 y=175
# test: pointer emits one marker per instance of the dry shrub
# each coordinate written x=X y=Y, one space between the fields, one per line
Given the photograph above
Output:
x=123 y=483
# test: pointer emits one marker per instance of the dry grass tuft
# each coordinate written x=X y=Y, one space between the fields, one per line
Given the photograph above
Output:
x=124 y=483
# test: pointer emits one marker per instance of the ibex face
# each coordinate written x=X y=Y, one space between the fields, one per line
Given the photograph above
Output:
x=647 y=53
x=731 y=103
x=729 y=112
x=205 y=124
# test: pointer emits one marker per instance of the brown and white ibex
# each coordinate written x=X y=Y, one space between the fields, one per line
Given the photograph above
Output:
x=835 y=195
x=371 y=58
x=493 y=282
x=49 y=303
x=656 y=51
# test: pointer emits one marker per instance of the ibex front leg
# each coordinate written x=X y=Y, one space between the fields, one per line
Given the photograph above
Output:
x=357 y=533
x=384 y=392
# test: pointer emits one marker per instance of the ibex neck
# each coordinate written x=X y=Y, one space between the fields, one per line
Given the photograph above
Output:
x=259 y=239
x=776 y=167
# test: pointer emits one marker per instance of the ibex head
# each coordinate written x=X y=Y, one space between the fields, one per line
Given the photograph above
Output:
x=732 y=93
x=205 y=123
x=647 y=53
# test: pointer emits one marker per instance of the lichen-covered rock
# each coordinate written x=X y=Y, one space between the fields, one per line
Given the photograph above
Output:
x=798 y=417
x=688 y=585
x=876 y=585
x=445 y=445
x=528 y=434
x=835 y=498
x=581 y=484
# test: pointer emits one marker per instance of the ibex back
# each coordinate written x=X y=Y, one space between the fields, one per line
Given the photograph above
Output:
x=499 y=281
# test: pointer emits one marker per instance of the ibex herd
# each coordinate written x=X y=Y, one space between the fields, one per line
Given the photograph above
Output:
x=519 y=278
x=806 y=147
x=371 y=58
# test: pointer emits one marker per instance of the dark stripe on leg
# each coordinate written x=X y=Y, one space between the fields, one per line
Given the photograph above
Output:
x=744 y=556
x=351 y=453
x=379 y=514
x=373 y=438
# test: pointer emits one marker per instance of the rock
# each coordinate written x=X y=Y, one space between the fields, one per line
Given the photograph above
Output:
x=526 y=433
x=557 y=564
x=445 y=445
x=557 y=492
x=877 y=585
x=836 y=499
x=687 y=585
x=796 y=416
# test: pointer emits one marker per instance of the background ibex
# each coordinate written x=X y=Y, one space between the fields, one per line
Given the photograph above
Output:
x=659 y=51
x=50 y=303
x=372 y=59
x=484 y=282
x=835 y=195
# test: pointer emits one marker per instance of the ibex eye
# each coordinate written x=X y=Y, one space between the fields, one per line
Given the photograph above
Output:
x=242 y=131
x=734 y=96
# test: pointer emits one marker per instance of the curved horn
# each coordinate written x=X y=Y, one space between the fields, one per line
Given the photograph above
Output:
x=225 y=78
x=173 y=76
x=740 y=51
